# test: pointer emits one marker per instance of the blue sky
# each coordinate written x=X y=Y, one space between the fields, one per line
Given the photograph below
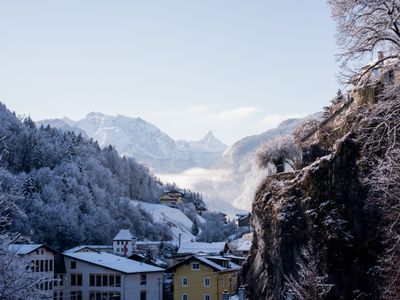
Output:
x=235 y=67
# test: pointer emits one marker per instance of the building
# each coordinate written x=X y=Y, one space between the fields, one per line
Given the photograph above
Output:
x=243 y=220
x=105 y=276
x=171 y=198
x=43 y=260
x=191 y=248
x=243 y=248
x=92 y=248
x=124 y=243
x=204 y=278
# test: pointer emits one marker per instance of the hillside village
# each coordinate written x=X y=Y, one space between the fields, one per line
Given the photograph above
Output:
x=132 y=269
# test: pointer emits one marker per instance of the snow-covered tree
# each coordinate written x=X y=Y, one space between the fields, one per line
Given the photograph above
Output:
x=280 y=151
x=17 y=279
x=195 y=228
x=308 y=283
x=215 y=229
x=365 y=27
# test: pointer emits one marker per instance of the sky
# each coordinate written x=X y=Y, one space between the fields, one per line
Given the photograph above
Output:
x=235 y=67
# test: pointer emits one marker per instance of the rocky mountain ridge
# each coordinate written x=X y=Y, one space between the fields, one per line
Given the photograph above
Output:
x=137 y=138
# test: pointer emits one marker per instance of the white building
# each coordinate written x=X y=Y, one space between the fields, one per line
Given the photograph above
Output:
x=124 y=243
x=105 y=276
x=42 y=259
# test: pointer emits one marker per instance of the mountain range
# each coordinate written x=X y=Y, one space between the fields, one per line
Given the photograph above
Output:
x=134 y=137
x=227 y=177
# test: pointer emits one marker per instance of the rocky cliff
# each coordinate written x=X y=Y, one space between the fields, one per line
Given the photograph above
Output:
x=322 y=232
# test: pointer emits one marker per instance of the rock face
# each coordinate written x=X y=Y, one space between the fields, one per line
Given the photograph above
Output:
x=320 y=207
x=332 y=229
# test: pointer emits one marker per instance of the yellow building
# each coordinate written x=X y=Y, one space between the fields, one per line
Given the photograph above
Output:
x=204 y=278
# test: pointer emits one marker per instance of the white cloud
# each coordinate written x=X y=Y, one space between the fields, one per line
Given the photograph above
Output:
x=233 y=114
x=271 y=121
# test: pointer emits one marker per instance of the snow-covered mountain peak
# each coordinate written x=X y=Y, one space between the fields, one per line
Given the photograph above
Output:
x=209 y=143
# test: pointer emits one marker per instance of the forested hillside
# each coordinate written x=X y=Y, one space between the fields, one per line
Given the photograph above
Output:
x=68 y=191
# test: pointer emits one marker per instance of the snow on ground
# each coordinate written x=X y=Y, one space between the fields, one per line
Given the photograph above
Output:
x=243 y=243
x=172 y=217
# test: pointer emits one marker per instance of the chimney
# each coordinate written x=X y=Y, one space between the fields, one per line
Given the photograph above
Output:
x=381 y=55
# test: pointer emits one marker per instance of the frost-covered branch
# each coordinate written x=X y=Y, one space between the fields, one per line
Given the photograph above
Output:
x=365 y=27
x=309 y=283
x=280 y=151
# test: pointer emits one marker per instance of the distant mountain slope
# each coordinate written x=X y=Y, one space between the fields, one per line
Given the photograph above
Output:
x=134 y=137
x=63 y=124
x=232 y=181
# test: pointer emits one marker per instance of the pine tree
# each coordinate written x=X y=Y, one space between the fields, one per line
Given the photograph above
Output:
x=28 y=188
x=195 y=228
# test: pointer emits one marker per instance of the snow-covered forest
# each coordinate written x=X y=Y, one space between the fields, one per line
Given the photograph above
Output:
x=68 y=191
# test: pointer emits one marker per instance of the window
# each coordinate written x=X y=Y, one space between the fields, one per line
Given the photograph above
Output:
x=207 y=282
x=46 y=265
x=195 y=266
x=105 y=280
x=51 y=265
x=41 y=266
x=37 y=266
x=58 y=280
x=73 y=264
x=76 y=279
x=98 y=280
x=97 y=295
x=92 y=279
x=185 y=281
x=76 y=295
x=143 y=295
x=222 y=281
x=117 y=280
x=111 y=280
x=143 y=279
x=58 y=295
x=207 y=297
x=185 y=297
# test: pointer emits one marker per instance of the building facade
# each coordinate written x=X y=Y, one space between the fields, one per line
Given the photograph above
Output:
x=104 y=276
x=124 y=243
x=42 y=260
x=203 y=278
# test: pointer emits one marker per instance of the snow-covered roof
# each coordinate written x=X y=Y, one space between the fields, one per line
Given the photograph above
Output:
x=244 y=246
x=114 y=262
x=124 y=235
x=23 y=249
x=208 y=262
x=196 y=247
x=153 y=243
x=94 y=247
